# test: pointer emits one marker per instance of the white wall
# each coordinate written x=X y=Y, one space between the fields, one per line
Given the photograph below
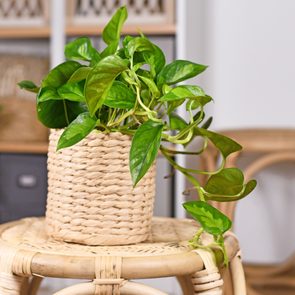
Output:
x=252 y=61
x=250 y=47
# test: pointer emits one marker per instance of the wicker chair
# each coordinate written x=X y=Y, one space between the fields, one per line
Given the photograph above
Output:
x=272 y=146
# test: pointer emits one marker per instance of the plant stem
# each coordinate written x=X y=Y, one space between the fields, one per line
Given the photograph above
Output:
x=66 y=112
x=175 y=152
x=181 y=169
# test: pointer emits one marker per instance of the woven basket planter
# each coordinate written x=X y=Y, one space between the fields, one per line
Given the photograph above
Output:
x=91 y=199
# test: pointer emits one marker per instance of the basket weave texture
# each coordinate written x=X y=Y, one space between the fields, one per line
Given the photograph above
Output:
x=91 y=199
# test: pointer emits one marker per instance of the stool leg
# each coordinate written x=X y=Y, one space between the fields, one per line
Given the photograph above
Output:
x=238 y=276
x=35 y=285
x=227 y=279
x=25 y=287
x=185 y=284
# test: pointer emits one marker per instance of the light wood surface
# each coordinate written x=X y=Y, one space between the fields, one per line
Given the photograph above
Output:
x=263 y=140
x=88 y=30
x=21 y=147
x=24 y=32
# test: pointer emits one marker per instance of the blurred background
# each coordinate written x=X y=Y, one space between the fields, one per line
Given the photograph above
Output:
x=249 y=47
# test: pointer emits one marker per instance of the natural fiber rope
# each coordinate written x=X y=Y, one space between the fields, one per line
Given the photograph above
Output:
x=207 y=281
x=15 y=265
x=91 y=199
x=22 y=263
x=108 y=275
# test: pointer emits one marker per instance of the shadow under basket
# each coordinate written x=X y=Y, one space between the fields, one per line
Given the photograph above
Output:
x=91 y=199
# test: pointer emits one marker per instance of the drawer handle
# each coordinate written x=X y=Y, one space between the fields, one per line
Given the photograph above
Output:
x=27 y=181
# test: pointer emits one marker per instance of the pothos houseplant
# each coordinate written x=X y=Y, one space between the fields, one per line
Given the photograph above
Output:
x=129 y=88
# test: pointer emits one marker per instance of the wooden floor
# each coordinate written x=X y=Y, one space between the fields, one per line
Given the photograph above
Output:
x=275 y=291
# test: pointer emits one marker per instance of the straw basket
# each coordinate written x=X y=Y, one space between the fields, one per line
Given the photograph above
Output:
x=91 y=199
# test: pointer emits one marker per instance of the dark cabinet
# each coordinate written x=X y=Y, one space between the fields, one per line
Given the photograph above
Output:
x=23 y=186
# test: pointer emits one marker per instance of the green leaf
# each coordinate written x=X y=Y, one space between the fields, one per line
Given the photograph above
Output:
x=80 y=75
x=151 y=85
x=72 y=91
x=126 y=40
x=199 y=116
x=100 y=79
x=60 y=74
x=211 y=219
x=144 y=149
x=76 y=131
x=224 y=144
x=111 y=49
x=82 y=49
x=197 y=102
x=176 y=122
x=156 y=60
x=48 y=93
x=207 y=124
x=113 y=28
x=179 y=70
x=173 y=105
x=183 y=92
x=29 y=86
x=247 y=189
x=139 y=44
x=52 y=112
x=229 y=182
x=120 y=96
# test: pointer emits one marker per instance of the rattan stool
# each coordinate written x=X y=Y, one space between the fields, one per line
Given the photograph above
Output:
x=270 y=146
x=27 y=254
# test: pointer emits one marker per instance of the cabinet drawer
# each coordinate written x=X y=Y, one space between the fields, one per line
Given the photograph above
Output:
x=23 y=186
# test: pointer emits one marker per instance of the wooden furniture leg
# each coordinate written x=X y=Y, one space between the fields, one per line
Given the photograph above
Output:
x=185 y=284
x=238 y=276
x=35 y=285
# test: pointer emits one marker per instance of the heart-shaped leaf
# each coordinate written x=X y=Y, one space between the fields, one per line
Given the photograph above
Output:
x=179 y=70
x=183 y=92
x=211 y=219
x=247 y=189
x=229 y=182
x=144 y=149
x=100 y=80
x=76 y=131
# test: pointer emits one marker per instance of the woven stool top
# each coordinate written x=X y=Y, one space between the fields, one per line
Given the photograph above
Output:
x=166 y=253
x=169 y=236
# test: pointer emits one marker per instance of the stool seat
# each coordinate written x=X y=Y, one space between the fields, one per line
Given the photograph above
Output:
x=165 y=253
x=263 y=140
